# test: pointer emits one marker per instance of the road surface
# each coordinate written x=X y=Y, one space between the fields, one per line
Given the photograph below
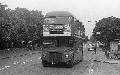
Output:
x=30 y=64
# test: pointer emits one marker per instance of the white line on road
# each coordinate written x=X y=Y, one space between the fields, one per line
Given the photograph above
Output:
x=7 y=66
x=91 y=71
x=23 y=62
x=2 y=68
x=39 y=58
x=15 y=62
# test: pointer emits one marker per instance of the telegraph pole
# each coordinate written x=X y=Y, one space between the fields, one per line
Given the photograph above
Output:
x=2 y=12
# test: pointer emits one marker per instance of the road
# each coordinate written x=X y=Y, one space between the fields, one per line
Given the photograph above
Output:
x=30 y=64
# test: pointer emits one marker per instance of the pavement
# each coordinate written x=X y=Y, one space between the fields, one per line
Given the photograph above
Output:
x=101 y=57
x=15 y=52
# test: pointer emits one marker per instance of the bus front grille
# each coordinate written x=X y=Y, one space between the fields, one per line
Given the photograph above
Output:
x=55 y=56
x=56 y=31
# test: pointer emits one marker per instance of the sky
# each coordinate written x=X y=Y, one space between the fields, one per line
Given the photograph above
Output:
x=84 y=10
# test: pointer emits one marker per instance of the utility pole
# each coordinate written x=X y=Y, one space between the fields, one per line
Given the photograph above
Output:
x=2 y=11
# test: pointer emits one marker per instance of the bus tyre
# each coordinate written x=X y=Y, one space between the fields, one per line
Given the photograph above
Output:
x=81 y=57
x=45 y=63
x=71 y=63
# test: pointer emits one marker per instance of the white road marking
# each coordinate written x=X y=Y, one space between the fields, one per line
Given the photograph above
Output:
x=14 y=63
x=39 y=58
x=3 y=68
x=91 y=71
x=23 y=62
x=7 y=66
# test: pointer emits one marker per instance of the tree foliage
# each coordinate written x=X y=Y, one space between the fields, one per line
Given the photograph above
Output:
x=92 y=39
x=109 y=29
x=21 y=24
x=80 y=27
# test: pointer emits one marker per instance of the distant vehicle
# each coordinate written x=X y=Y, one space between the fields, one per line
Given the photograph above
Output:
x=91 y=47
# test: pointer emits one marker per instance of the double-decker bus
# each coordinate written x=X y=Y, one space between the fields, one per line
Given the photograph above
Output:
x=60 y=43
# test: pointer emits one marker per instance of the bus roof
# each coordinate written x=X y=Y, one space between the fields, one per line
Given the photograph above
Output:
x=58 y=13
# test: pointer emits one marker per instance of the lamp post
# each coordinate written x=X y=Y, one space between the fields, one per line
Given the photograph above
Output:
x=97 y=42
x=2 y=12
x=2 y=9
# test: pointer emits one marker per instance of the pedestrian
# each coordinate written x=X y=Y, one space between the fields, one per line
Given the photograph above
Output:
x=23 y=44
x=95 y=50
x=30 y=45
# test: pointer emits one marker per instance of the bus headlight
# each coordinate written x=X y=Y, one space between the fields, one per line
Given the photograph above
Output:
x=66 y=56
x=45 y=28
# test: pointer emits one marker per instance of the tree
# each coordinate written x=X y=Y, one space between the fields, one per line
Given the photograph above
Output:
x=80 y=27
x=21 y=24
x=92 y=38
x=2 y=20
x=25 y=23
x=108 y=29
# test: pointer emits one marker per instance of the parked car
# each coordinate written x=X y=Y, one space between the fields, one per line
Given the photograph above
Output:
x=91 y=47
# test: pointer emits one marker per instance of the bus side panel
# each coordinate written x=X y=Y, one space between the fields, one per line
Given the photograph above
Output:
x=79 y=49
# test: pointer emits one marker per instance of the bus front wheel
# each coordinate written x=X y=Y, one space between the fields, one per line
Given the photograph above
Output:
x=45 y=63
x=70 y=63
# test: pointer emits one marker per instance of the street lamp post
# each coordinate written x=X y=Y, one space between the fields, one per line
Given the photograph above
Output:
x=2 y=9
x=97 y=42
x=2 y=12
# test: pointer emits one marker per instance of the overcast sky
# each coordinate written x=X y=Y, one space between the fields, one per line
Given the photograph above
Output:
x=84 y=10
